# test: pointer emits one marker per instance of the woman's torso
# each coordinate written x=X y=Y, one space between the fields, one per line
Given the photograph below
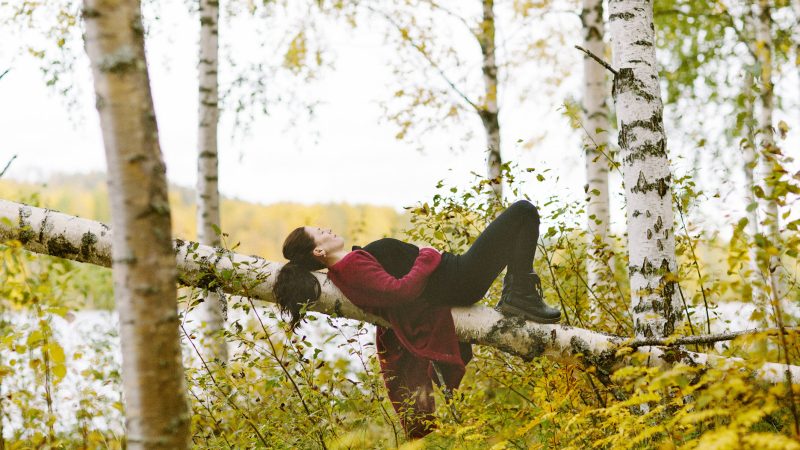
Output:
x=397 y=258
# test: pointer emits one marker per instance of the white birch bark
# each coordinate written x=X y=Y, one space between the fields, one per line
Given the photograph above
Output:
x=144 y=271
x=490 y=111
x=210 y=312
x=767 y=176
x=595 y=143
x=646 y=171
x=49 y=232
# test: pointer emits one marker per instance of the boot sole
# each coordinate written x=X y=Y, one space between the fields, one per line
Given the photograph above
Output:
x=514 y=311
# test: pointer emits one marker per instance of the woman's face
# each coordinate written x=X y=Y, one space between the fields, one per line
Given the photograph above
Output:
x=325 y=240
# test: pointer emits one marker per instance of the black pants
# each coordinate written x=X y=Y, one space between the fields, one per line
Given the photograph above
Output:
x=509 y=241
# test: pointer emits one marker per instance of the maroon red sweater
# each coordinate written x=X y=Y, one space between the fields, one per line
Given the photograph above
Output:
x=420 y=332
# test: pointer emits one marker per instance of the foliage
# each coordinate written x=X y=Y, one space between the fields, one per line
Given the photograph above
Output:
x=46 y=374
x=323 y=385
x=438 y=61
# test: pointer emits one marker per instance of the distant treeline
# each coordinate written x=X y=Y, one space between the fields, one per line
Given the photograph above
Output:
x=256 y=229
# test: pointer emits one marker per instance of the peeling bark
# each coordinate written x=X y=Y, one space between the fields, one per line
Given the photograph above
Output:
x=646 y=171
x=595 y=142
x=211 y=312
x=156 y=412
x=251 y=276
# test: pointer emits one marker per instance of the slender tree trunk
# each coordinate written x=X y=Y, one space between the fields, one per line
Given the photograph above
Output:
x=767 y=151
x=646 y=171
x=211 y=310
x=750 y=162
x=144 y=272
x=595 y=142
x=49 y=232
x=490 y=111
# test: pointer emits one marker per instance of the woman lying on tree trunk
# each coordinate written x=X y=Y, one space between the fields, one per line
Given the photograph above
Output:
x=413 y=289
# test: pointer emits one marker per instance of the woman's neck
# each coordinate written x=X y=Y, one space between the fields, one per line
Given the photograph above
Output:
x=334 y=257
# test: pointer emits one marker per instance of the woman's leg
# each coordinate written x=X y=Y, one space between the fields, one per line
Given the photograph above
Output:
x=509 y=241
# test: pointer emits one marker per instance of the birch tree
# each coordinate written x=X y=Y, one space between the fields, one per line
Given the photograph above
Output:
x=489 y=111
x=767 y=151
x=645 y=166
x=595 y=139
x=144 y=270
x=211 y=310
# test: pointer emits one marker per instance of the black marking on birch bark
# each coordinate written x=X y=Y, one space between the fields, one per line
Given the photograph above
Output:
x=61 y=247
x=337 y=308
x=660 y=185
x=636 y=213
x=26 y=234
x=593 y=31
x=658 y=225
x=643 y=43
x=43 y=226
x=119 y=62
x=207 y=279
x=626 y=81
x=90 y=13
x=622 y=16
x=602 y=361
x=88 y=241
x=514 y=326
x=641 y=152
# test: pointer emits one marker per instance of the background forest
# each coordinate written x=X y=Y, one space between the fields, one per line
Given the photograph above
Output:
x=455 y=109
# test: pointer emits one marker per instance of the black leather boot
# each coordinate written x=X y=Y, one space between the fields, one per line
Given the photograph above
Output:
x=524 y=298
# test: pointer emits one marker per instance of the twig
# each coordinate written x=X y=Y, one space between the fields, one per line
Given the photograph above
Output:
x=599 y=61
x=8 y=164
x=4 y=74
x=225 y=395
x=702 y=338
x=421 y=50
x=285 y=369
x=696 y=265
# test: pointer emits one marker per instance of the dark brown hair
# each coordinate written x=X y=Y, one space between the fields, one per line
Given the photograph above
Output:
x=296 y=287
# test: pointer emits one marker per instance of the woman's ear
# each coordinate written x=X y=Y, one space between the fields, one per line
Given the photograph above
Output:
x=318 y=252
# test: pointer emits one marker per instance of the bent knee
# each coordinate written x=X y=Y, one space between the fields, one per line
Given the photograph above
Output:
x=528 y=207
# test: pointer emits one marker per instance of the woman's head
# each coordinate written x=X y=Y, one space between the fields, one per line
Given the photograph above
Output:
x=306 y=249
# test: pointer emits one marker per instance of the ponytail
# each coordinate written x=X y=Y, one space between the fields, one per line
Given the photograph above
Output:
x=296 y=287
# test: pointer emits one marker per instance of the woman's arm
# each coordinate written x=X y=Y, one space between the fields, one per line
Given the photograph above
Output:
x=383 y=290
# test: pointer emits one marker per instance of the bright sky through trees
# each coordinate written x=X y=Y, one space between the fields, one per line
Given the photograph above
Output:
x=347 y=152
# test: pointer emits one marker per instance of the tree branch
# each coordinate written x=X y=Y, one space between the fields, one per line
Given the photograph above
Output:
x=52 y=233
x=704 y=338
x=599 y=61
x=8 y=164
x=427 y=57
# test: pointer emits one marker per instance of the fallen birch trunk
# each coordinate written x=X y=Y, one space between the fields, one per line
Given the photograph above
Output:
x=52 y=233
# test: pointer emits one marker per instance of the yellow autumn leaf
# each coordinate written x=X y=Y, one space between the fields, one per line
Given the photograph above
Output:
x=56 y=353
